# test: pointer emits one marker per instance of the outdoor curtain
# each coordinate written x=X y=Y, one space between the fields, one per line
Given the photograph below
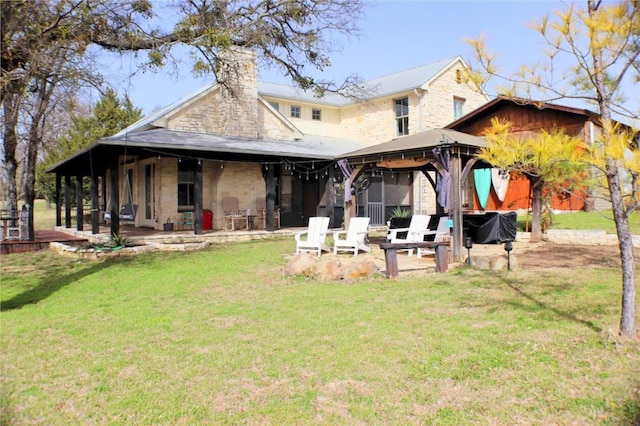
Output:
x=443 y=185
x=347 y=171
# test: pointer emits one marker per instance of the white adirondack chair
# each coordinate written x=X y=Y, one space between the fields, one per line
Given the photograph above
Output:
x=316 y=235
x=440 y=234
x=416 y=231
x=355 y=238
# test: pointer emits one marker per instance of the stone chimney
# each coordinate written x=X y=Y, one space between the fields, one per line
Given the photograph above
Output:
x=238 y=77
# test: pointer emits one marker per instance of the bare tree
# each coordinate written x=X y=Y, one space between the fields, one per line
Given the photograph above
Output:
x=47 y=44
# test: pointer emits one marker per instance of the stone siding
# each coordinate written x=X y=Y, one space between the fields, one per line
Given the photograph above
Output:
x=201 y=116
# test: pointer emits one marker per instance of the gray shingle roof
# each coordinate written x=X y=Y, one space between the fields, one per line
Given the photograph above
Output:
x=423 y=140
x=308 y=146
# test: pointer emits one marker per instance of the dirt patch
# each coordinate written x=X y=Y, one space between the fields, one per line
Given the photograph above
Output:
x=549 y=255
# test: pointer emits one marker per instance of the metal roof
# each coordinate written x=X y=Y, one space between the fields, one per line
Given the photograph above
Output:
x=387 y=85
x=390 y=84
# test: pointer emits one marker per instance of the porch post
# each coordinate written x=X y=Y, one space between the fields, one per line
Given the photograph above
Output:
x=330 y=198
x=95 y=212
x=58 y=200
x=456 y=205
x=115 y=199
x=197 y=194
x=79 y=218
x=67 y=201
x=270 y=202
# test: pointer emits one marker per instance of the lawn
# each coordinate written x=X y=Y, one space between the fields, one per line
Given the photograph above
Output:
x=220 y=336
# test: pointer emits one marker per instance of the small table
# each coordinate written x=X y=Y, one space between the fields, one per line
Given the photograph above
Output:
x=391 y=258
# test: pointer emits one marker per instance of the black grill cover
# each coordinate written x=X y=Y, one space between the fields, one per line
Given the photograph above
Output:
x=491 y=228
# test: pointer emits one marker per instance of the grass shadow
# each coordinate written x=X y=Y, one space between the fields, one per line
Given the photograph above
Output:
x=55 y=280
x=556 y=311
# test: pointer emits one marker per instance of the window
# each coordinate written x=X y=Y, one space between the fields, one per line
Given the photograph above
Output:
x=275 y=105
x=458 y=107
x=186 y=184
x=316 y=114
x=402 y=116
x=295 y=111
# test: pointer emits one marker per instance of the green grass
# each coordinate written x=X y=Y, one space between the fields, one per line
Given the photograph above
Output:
x=587 y=221
x=220 y=336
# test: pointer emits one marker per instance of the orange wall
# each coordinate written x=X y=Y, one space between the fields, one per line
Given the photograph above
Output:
x=518 y=198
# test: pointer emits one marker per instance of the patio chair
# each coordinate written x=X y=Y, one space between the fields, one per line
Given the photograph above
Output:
x=186 y=220
x=316 y=234
x=261 y=218
x=233 y=214
x=416 y=231
x=355 y=237
x=441 y=233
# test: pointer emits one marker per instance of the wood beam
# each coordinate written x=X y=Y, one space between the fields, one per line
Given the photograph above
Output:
x=197 y=190
x=67 y=201
x=79 y=212
x=270 y=201
x=58 y=200
x=95 y=212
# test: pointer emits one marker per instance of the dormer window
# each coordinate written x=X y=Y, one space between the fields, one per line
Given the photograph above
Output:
x=402 y=116
x=295 y=111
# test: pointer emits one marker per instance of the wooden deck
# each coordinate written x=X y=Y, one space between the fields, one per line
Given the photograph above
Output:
x=40 y=242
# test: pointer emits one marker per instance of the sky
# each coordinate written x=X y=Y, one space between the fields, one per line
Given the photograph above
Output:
x=395 y=35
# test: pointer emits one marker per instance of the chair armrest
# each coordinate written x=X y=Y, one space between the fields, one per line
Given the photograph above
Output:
x=297 y=235
x=393 y=233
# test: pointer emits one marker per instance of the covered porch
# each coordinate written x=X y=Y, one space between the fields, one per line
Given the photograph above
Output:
x=448 y=153
x=163 y=174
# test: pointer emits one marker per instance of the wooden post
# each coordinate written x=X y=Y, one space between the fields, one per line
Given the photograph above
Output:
x=270 y=202
x=456 y=205
x=58 y=200
x=67 y=201
x=330 y=198
x=95 y=212
x=115 y=199
x=79 y=218
x=197 y=190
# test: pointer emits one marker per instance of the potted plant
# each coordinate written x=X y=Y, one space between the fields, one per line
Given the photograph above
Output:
x=168 y=225
x=400 y=218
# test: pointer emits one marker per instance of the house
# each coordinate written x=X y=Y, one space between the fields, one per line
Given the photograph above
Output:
x=256 y=141
x=529 y=117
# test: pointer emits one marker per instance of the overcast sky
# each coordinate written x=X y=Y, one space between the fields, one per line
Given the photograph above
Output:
x=396 y=35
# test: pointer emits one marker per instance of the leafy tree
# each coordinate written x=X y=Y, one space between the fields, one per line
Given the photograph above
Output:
x=109 y=116
x=48 y=45
x=551 y=161
x=601 y=42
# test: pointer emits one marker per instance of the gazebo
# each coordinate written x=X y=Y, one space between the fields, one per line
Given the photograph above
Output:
x=450 y=153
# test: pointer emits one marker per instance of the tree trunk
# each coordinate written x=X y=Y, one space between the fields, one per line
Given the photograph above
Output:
x=10 y=122
x=536 y=211
x=628 y=314
x=625 y=241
